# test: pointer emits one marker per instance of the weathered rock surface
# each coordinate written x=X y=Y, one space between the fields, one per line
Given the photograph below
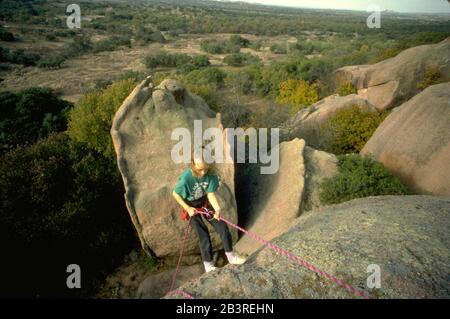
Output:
x=391 y=82
x=406 y=236
x=319 y=166
x=413 y=142
x=141 y=133
x=279 y=197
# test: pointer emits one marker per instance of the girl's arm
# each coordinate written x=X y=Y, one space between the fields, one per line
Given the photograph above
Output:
x=190 y=210
x=215 y=204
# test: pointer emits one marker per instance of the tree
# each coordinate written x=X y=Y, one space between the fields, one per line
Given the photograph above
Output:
x=298 y=94
x=31 y=114
x=349 y=129
x=91 y=119
x=240 y=59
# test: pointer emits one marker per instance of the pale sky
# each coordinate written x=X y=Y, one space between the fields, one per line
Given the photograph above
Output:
x=434 y=6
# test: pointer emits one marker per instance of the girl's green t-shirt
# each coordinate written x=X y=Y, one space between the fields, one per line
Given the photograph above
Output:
x=192 y=188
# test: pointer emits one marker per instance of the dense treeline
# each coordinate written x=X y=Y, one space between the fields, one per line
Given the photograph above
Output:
x=61 y=198
x=31 y=114
x=215 y=17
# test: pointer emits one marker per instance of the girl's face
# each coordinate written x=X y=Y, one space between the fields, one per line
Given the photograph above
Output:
x=200 y=169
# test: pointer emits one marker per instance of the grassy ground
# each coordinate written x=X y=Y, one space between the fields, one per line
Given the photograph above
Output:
x=80 y=74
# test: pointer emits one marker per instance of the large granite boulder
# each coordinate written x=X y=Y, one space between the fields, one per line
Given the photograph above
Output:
x=405 y=236
x=277 y=200
x=393 y=81
x=141 y=133
x=413 y=142
x=277 y=197
x=319 y=165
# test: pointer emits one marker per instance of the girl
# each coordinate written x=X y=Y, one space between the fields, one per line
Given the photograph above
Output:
x=195 y=189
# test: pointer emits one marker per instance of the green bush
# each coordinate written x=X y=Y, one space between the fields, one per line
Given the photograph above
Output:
x=219 y=47
x=349 y=129
x=91 y=119
x=235 y=115
x=237 y=40
x=206 y=76
x=346 y=89
x=385 y=54
x=255 y=45
x=278 y=48
x=60 y=204
x=359 y=177
x=5 y=35
x=19 y=57
x=111 y=44
x=147 y=35
x=200 y=61
x=172 y=60
x=51 y=62
x=240 y=59
x=271 y=116
x=79 y=45
x=298 y=94
x=31 y=114
x=207 y=92
x=432 y=76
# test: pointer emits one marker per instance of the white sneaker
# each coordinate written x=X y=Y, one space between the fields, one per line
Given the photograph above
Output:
x=209 y=266
x=234 y=259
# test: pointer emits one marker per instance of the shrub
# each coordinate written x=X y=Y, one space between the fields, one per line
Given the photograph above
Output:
x=346 y=89
x=240 y=59
x=51 y=62
x=31 y=114
x=359 y=177
x=237 y=40
x=278 y=48
x=432 y=76
x=79 y=45
x=170 y=60
x=235 y=115
x=200 y=61
x=270 y=116
x=348 y=130
x=219 y=47
x=91 y=119
x=206 y=76
x=385 y=54
x=146 y=35
x=19 y=57
x=111 y=44
x=207 y=93
x=5 y=35
x=51 y=37
x=60 y=204
x=298 y=94
x=256 y=45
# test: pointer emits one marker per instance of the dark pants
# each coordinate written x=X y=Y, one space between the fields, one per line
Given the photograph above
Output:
x=197 y=222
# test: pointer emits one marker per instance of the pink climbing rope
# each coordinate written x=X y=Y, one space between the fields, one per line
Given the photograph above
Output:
x=285 y=253
x=187 y=231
